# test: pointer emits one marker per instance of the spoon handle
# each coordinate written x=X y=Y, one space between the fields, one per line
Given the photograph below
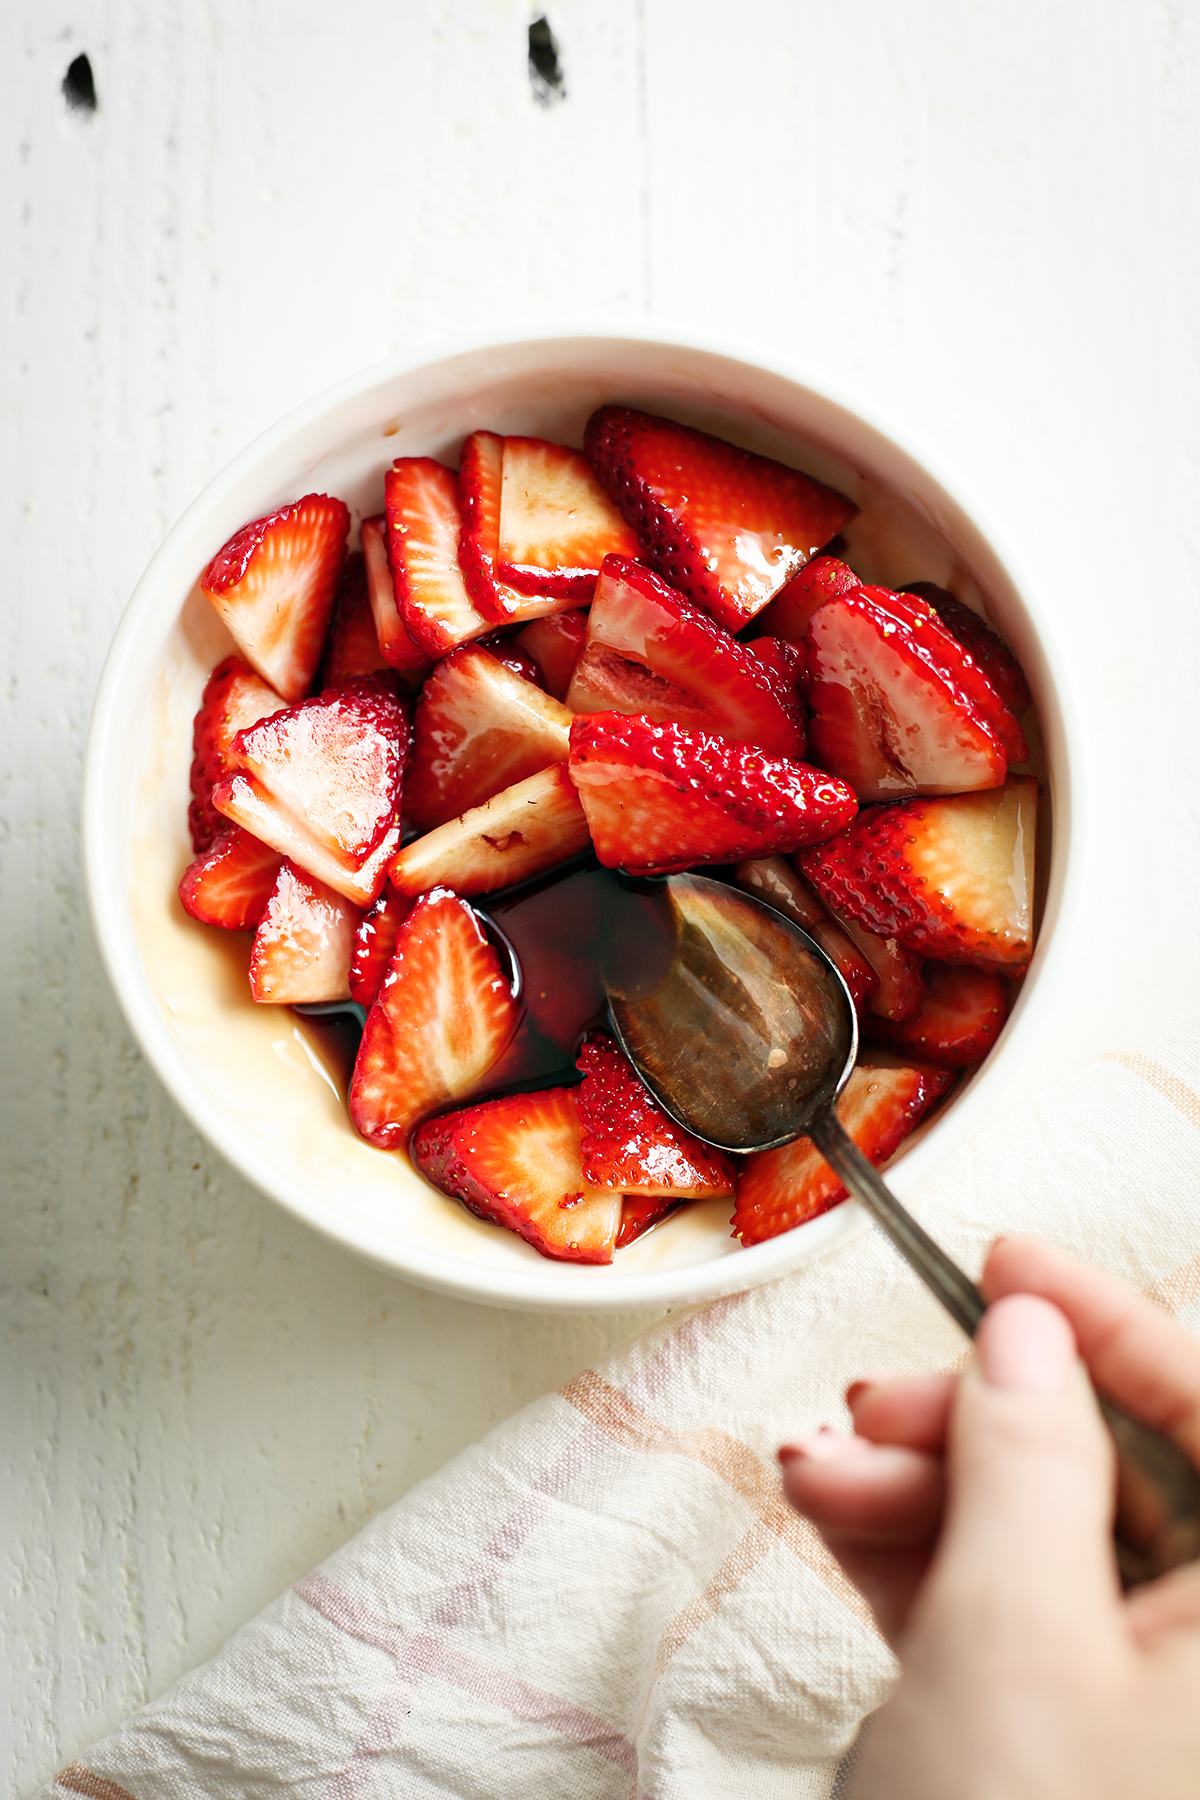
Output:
x=1156 y=1526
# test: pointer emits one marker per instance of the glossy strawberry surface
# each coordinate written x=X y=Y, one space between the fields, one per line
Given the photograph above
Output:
x=520 y=832
x=990 y=652
x=554 y=644
x=424 y=526
x=556 y=523
x=374 y=943
x=822 y=579
x=234 y=697
x=960 y=1015
x=352 y=647
x=629 y=1142
x=230 y=883
x=399 y=649
x=303 y=944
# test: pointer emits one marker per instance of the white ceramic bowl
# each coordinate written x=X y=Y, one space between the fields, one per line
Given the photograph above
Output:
x=252 y=1078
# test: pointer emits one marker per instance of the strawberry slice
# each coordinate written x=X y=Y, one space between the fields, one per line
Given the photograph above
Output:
x=478 y=728
x=989 y=652
x=480 y=490
x=352 y=647
x=374 y=943
x=505 y=650
x=628 y=1140
x=822 y=579
x=892 y=712
x=395 y=645
x=918 y=613
x=557 y=524
x=424 y=526
x=960 y=1016
x=880 y=1104
x=652 y=654
x=248 y=803
x=950 y=878
x=517 y=1163
x=230 y=884
x=554 y=644
x=641 y=1212
x=727 y=527
x=897 y=970
x=788 y=664
x=234 y=697
x=274 y=585
x=517 y=834
x=443 y=1016
x=774 y=881
x=659 y=799
x=302 y=947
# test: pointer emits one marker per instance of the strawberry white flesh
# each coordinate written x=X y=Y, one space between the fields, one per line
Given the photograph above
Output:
x=444 y=1015
x=230 y=883
x=774 y=881
x=424 y=527
x=274 y=585
x=517 y=1162
x=234 y=697
x=520 y=832
x=480 y=488
x=249 y=804
x=302 y=947
x=478 y=728
x=397 y=647
x=556 y=522
x=554 y=644
x=898 y=970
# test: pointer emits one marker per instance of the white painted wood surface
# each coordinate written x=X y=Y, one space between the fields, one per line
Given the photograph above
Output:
x=982 y=217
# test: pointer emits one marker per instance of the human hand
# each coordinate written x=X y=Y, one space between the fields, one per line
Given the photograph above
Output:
x=975 y=1514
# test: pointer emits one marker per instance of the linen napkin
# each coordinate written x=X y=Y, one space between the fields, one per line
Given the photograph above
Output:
x=607 y=1596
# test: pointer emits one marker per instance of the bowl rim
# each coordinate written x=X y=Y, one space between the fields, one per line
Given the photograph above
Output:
x=537 y=1289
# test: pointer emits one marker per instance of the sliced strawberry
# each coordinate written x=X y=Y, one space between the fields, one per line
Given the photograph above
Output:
x=517 y=1163
x=659 y=798
x=727 y=527
x=302 y=947
x=641 y=1212
x=517 y=834
x=443 y=1016
x=991 y=654
x=230 y=884
x=652 y=654
x=897 y=970
x=824 y=578
x=950 y=878
x=774 y=881
x=480 y=489
x=397 y=647
x=629 y=1142
x=554 y=644
x=917 y=613
x=880 y=1104
x=374 y=942
x=234 y=697
x=505 y=650
x=557 y=524
x=478 y=729
x=352 y=647
x=333 y=765
x=424 y=526
x=960 y=1016
x=787 y=662
x=891 y=714
x=274 y=584
x=248 y=803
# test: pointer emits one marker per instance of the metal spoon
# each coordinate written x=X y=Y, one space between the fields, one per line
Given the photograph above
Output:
x=745 y=1033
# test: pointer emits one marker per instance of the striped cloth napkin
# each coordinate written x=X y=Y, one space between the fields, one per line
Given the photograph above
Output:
x=607 y=1596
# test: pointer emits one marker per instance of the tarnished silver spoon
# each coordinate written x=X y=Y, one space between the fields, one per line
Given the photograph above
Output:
x=745 y=1033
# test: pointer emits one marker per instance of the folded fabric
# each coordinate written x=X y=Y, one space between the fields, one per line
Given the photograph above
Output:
x=607 y=1596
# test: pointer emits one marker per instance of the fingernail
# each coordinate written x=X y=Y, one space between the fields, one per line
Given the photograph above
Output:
x=1024 y=1342
x=825 y=1445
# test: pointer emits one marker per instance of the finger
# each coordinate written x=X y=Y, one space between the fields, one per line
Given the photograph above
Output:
x=1166 y=1608
x=914 y=1411
x=880 y=1496
x=888 y=1580
x=1025 y=1563
x=1138 y=1357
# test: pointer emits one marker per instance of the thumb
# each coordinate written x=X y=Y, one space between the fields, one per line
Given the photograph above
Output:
x=1026 y=1553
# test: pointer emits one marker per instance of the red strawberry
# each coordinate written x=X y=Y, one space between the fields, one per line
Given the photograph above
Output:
x=554 y=644
x=517 y=834
x=651 y=654
x=248 y=803
x=396 y=646
x=880 y=1104
x=771 y=878
x=629 y=1142
x=424 y=526
x=640 y=1212
x=233 y=698
x=480 y=491
x=556 y=522
x=787 y=662
x=824 y=578
x=352 y=647
x=274 y=584
x=917 y=613
x=950 y=878
x=726 y=526
x=517 y=1162
x=892 y=713
x=478 y=728
x=990 y=652
x=659 y=798
x=897 y=970
x=960 y=1016
x=505 y=650
x=230 y=884
x=443 y=1017
x=374 y=942
x=302 y=947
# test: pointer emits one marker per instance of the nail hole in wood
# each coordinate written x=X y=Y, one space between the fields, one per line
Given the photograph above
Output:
x=545 y=70
x=79 y=86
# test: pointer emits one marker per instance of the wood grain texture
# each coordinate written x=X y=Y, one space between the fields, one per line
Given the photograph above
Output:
x=982 y=218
